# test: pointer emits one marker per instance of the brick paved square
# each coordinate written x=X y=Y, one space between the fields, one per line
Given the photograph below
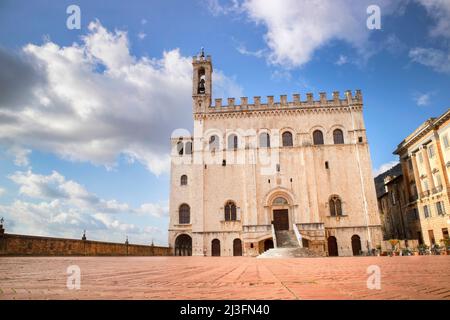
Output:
x=418 y=277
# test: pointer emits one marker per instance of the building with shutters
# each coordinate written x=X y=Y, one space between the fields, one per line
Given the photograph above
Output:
x=425 y=160
x=252 y=170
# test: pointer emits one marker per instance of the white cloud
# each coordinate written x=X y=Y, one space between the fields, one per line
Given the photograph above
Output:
x=56 y=187
x=143 y=21
x=141 y=35
x=53 y=205
x=2 y=191
x=297 y=28
x=258 y=53
x=384 y=167
x=94 y=101
x=436 y=59
x=281 y=75
x=439 y=10
x=423 y=99
x=342 y=60
x=156 y=210
x=225 y=86
x=217 y=8
x=20 y=155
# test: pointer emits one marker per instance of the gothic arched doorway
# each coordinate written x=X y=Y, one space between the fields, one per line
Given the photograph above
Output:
x=237 y=247
x=268 y=244
x=280 y=214
x=215 y=248
x=356 y=245
x=183 y=245
x=332 y=247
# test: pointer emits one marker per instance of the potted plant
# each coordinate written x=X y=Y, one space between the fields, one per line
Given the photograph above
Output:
x=408 y=252
x=436 y=249
x=423 y=249
x=446 y=246
x=378 y=250
x=394 y=243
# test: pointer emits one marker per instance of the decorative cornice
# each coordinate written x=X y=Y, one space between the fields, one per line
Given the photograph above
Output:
x=428 y=126
x=227 y=114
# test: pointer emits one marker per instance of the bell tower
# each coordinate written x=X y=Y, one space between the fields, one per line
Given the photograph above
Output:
x=201 y=82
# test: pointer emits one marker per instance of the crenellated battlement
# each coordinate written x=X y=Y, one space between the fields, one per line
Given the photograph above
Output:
x=201 y=58
x=283 y=103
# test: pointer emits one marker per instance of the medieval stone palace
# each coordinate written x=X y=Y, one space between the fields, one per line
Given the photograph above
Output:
x=271 y=174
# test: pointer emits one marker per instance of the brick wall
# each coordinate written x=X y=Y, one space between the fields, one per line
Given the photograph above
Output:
x=24 y=245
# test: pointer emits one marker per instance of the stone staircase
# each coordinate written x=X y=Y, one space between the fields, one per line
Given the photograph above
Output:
x=287 y=247
x=286 y=239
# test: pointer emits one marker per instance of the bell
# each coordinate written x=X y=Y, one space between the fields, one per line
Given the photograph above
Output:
x=201 y=86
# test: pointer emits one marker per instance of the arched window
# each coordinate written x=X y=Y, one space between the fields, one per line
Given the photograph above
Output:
x=184 y=214
x=264 y=140
x=317 y=137
x=230 y=211
x=214 y=143
x=335 y=206
x=338 y=136
x=188 y=147
x=232 y=142
x=183 y=180
x=338 y=205
x=287 y=139
x=201 y=81
x=180 y=147
x=279 y=201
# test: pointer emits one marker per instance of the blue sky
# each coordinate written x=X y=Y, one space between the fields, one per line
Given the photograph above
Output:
x=86 y=115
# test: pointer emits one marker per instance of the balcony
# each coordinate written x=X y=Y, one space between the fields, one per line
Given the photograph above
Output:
x=257 y=228
x=437 y=189
x=425 y=194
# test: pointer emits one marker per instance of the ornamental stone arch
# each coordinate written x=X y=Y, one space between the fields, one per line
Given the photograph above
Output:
x=276 y=210
x=329 y=134
x=210 y=133
x=230 y=143
x=293 y=133
x=183 y=244
x=270 y=141
x=322 y=129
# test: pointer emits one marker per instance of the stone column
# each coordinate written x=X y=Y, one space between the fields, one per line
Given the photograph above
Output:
x=442 y=166
x=426 y=160
x=416 y=175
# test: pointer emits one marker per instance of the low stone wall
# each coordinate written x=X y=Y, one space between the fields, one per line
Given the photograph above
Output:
x=24 y=245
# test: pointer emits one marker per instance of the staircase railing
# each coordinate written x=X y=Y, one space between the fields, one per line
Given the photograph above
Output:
x=274 y=237
x=298 y=235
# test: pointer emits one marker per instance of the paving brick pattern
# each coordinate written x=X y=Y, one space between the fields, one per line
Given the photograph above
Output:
x=422 y=277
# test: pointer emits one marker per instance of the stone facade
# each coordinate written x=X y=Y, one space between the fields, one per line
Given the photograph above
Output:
x=425 y=159
x=396 y=221
x=251 y=169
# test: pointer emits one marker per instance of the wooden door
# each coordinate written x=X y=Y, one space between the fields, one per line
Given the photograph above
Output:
x=332 y=247
x=281 y=219
x=215 y=248
x=237 y=247
x=356 y=245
